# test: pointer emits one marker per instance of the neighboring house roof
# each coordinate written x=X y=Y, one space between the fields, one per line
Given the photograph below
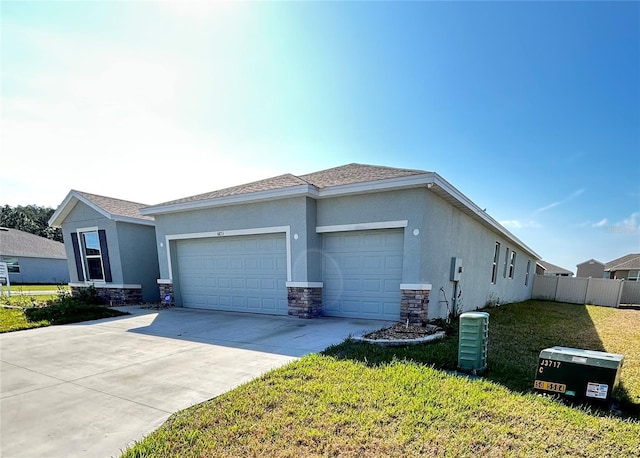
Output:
x=553 y=269
x=338 y=181
x=113 y=209
x=23 y=244
x=628 y=262
x=590 y=261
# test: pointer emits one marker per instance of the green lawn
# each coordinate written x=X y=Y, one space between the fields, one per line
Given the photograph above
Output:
x=18 y=299
x=13 y=319
x=360 y=400
x=39 y=287
x=61 y=311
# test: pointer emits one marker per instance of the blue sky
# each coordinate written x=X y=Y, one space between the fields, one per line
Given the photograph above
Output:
x=530 y=109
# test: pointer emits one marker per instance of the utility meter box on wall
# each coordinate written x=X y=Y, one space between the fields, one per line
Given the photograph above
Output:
x=583 y=375
x=456 y=269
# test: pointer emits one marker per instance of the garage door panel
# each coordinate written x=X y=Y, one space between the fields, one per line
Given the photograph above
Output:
x=244 y=273
x=362 y=271
x=351 y=285
x=393 y=262
x=370 y=307
x=372 y=286
x=252 y=264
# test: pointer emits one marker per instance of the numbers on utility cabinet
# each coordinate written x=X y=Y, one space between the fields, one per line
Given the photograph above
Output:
x=550 y=363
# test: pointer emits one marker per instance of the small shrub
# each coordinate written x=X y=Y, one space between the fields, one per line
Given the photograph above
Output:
x=70 y=310
x=87 y=296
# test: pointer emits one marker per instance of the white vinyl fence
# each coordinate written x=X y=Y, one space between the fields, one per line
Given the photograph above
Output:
x=596 y=291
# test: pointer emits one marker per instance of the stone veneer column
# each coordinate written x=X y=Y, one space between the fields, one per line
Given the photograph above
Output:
x=305 y=300
x=166 y=292
x=414 y=303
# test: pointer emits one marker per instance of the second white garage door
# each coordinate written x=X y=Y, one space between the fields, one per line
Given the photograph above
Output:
x=362 y=271
x=244 y=273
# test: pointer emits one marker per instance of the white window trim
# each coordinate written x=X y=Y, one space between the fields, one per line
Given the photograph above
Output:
x=363 y=226
x=232 y=233
x=495 y=263
x=512 y=264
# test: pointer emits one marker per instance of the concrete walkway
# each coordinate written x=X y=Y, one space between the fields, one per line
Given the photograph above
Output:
x=91 y=389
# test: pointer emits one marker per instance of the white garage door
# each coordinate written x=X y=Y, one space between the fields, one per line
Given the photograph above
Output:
x=362 y=271
x=244 y=273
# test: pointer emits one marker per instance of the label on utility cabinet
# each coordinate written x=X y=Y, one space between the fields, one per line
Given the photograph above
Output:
x=597 y=390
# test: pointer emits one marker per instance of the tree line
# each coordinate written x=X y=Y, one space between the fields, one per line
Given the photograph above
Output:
x=31 y=218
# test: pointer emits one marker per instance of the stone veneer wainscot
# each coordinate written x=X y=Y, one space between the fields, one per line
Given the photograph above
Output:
x=112 y=294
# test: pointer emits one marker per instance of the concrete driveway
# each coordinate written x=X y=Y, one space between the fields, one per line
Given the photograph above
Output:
x=91 y=389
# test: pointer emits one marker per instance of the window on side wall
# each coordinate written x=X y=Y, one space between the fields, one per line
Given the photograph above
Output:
x=91 y=255
x=512 y=264
x=13 y=265
x=634 y=275
x=526 y=275
x=506 y=263
x=496 y=259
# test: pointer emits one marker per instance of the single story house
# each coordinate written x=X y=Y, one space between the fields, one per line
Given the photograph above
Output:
x=591 y=268
x=546 y=268
x=31 y=258
x=352 y=241
x=624 y=268
x=109 y=246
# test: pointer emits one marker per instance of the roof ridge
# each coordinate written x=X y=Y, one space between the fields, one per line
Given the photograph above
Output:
x=85 y=194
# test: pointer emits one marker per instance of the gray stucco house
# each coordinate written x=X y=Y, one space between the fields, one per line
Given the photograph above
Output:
x=110 y=246
x=591 y=268
x=624 y=268
x=351 y=241
x=31 y=258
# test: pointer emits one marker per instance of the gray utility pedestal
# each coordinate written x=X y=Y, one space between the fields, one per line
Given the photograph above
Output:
x=473 y=342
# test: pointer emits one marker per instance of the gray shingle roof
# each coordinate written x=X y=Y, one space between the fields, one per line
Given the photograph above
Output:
x=628 y=262
x=356 y=173
x=553 y=268
x=337 y=176
x=269 y=184
x=23 y=244
x=116 y=207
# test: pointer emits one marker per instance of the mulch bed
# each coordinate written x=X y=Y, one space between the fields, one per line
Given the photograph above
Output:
x=401 y=331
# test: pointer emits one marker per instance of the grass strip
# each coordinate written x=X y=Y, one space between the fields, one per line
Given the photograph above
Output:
x=15 y=319
x=323 y=406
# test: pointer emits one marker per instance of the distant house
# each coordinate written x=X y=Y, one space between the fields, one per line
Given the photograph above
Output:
x=624 y=268
x=591 y=268
x=546 y=268
x=110 y=246
x=31 y=258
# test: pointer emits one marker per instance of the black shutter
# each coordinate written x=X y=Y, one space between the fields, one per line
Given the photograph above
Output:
x=102 y=235
x=77 y=255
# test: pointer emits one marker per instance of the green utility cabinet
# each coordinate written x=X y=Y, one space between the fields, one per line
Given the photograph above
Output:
x=583 y=375
x=473 y=341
